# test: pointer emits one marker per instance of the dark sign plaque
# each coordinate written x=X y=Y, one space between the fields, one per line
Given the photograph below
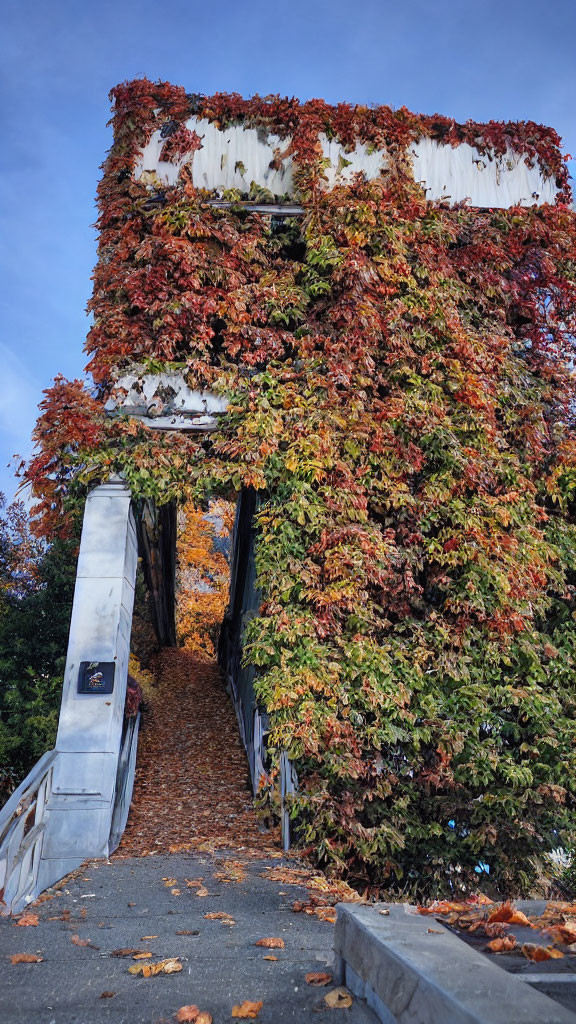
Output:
x=96 y=677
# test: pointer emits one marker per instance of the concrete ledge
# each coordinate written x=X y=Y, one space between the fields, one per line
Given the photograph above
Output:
x=412 y=970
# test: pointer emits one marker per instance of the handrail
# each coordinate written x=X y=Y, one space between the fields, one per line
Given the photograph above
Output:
x=21 y=833
x=30 y=785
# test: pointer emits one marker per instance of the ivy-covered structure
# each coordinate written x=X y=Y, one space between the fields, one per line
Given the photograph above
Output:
x=366 y=317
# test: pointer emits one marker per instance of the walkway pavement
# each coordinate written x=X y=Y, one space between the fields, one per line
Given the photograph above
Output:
x=148 y=904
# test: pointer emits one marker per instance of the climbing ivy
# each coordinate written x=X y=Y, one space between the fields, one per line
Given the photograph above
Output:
x=399 y=381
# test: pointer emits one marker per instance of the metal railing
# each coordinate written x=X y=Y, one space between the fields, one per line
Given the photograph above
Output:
x=21 y=834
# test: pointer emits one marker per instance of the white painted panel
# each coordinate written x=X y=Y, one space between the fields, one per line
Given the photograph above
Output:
x=462 y=172
x=237 y=156
x=85 y=773
x=76 y=831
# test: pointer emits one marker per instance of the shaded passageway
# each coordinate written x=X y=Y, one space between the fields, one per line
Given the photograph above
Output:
x=192 y=779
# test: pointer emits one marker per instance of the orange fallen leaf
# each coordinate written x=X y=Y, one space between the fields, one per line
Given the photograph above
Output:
x=25 y=958
x=327 y=914
x=81 y=942
x=124 y=952
x=540 y=953
x=204 y=1017
x=146 y=937
x=318 y=978
x=186 y=1014
x=247 y=1010
x=202 y=891
x=434 y=931
x=179 y=847
x=106 y=995
x=169 y=882
x=142 y=956
x=270 y=943
x=508 y=914
x=269 y=957
x=170 y=966
x=565 y=932
x=503 y=944
x=338 y=999
x=193 y=883
x=27 y=921
x=220 y=915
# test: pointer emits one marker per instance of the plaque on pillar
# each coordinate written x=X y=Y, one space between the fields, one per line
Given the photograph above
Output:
x=96 y=677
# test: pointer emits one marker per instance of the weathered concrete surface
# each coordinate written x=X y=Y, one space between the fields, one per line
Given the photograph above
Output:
x=124 y=900
x=415 y=971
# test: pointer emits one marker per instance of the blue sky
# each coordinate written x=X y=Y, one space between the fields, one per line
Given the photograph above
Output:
x=501 y=59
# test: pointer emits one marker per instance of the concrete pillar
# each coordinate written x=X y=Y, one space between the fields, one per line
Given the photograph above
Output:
x=79 y=809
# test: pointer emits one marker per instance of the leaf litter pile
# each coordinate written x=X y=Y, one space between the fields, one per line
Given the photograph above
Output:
x=192 y=787
x=481 y=918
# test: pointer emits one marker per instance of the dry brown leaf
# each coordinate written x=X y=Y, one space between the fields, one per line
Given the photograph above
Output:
x=338 y=999
x=186 y=931
x=145 y=938
x=25 y=958
x=170 y=966
x=124 y=952
x=270 y=958
x=434 y=931
x=186 y=1014
x=220 y=915
x=106 y=995
x=564 y=932
x=169 y=882
x=503 y=944
x=540 y=953
x=27 y=921
x=270 y=943
x=204 y=1017
x=193 y=883
x=247 y=1010
x=176 y=892
x=142 y=956
x=180 y=847
x=202 y=891
x=318 y=978
x=232 y=871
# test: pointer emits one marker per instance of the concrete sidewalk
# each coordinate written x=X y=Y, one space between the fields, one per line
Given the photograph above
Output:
x=115 y=904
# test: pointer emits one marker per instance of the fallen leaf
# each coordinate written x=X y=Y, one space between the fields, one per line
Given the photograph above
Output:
x=269 y=957
x=434 y=931
x=338 y=999
x=169 y=882
x=247 y=1010
x=171 y=966
x=187 y=1013
x=565 y=932
x=502 y=945
x=232 y=871
x=270 y=943
x=81 y=942
x=145 y=938
x=193 y=883
x=185 y=931
x=220 y=915
x=540 y=953
x=204 y=1017
x=202 y=891
x=124 y=952
x=106 y=995
x=142 y=956
x=25 y=958
x=27 y=921
x=176 y=892
x=385 y=913
x=180 y=847
x=509 y=915
x=318 y=978
x=326 y=914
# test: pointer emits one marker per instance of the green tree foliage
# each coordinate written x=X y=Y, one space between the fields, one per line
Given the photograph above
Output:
x=36 y=588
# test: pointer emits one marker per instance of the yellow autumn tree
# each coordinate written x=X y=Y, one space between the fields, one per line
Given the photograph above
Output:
x=202 y=575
